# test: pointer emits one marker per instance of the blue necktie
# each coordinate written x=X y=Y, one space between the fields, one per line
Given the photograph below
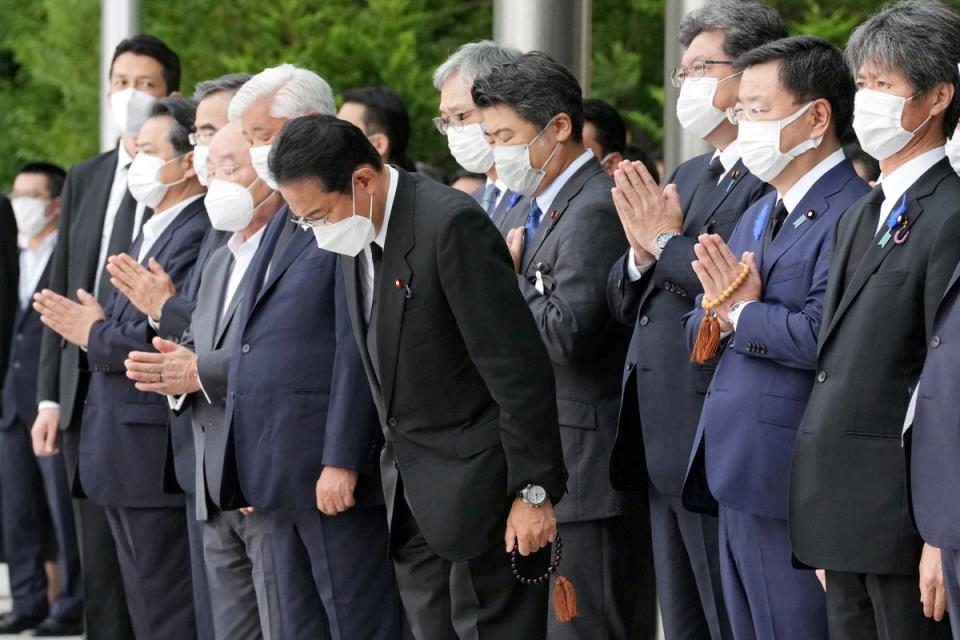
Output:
x=530 y=226
x=490 y=198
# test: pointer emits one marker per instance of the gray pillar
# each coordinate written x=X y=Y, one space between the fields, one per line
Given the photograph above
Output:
x=560 y=28
x=119 y=19
x=678 y=145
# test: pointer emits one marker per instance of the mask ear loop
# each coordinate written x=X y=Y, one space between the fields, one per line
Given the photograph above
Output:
x=171 y=184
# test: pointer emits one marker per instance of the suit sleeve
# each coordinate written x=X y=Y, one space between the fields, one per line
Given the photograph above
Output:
x=479 y=282
x=573 y=310
x=623 y=296
x=175 y=318
x=944 y=255
x=352 y=422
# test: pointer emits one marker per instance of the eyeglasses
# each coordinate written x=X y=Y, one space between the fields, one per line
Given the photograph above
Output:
x=311 y=223
x=454 y=120
x=736 y=115
x=694 y=72
x=204 y=136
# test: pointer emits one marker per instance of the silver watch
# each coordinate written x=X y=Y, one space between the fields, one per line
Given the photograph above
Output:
x=534 y=495
x=661 y=241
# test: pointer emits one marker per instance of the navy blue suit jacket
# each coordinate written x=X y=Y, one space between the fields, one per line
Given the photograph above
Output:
x=122 y=439
x=298 y=398
x=654 y=435
x=766 y=370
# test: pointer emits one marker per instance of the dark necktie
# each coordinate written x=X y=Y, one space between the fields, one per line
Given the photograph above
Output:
x=530 y=226
x=376 y=253
x=120 y=238
x=866 y=232
x=490 y=198
x=705 y=188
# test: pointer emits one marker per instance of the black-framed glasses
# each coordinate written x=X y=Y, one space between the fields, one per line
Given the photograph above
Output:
x=694 y=71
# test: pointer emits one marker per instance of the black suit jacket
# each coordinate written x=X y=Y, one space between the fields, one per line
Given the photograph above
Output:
x=82 y=211
x=577 y=242
x=848 y=494
x=9 y=280
x=662 y=390
x=461 y=378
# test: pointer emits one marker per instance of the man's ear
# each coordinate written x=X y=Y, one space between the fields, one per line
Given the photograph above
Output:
x=55 y=206
x=381 y=143
x=563 y=127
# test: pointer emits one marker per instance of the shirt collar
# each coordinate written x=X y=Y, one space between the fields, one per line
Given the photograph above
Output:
x=123 y=158
x=545 y=199
x=159 y=222
x=24 y=243
x=729 y=156
x=388 y=207
x=500 y=185
x=897 y=183
x=799 y=190
x=239 y=246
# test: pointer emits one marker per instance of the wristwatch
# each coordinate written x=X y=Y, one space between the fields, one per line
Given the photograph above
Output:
x=534 y=495
x=661 y=241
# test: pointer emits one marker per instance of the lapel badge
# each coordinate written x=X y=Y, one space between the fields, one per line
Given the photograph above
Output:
x=809 y=215
x=735 y=174
x=553 y=214
x=400 y=284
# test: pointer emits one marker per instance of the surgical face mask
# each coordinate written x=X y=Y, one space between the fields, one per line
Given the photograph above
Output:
x=952 y=149
x=130 y=109
x=143 y=179
x=31 y=215
x=878 y=122
x=229 y=205
x=259 y=155
x=469 y=148
x=200 y=154
x=515 y=168
x=695 y=110
x=349 y=236
x=760 y=145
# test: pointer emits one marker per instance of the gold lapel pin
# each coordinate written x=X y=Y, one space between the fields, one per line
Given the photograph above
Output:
x=553 y=214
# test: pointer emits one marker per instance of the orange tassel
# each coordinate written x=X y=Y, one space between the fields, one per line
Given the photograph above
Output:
x=708 y=340
x=564 y=600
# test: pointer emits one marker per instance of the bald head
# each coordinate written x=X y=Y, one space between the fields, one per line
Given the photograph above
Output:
x=229 y=157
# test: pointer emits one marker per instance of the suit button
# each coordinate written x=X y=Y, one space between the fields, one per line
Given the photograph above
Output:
x=392 y=422
x=822 y=376
x=16 y=365
x=19 y=337
x=245 y=348
x=935 y=342
x=644 y=321
x=682 y=292
x=731 y=344
x=763 y=349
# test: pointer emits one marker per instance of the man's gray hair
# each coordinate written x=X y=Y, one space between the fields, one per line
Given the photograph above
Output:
x=230 y=82
x=746 y=24
x=296 y=92
x=918 y=38
x=471 y=61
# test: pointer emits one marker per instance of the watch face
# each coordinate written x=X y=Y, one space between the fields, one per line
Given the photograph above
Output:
x=536 y=494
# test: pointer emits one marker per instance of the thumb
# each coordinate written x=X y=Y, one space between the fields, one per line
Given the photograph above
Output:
x=85 y=298
x=750 y=259
x=671 y=196
x=164 y=346
x=155 y=267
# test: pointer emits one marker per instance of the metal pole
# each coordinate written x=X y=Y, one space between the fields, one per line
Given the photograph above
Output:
x=560 y=28
x=119 y=19
x=678 y=145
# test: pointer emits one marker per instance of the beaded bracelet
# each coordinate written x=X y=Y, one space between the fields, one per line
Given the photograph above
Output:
x=708 y=338
x=564 y=596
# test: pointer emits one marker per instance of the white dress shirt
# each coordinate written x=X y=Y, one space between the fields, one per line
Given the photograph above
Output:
x=501 y=189
x=32 y=264
x=158 y=223
x=243 y=252
x=117 y=191
x=897 y=183
x=380 y=238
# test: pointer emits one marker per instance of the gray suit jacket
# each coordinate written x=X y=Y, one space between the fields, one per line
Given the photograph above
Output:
x=212 y=338
x=578 y=241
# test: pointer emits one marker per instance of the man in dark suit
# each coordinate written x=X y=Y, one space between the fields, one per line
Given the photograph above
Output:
x=460 y=377
x=98 y=218
x=803 y=85
x=563 y=239
x=895 y=252
x=653 y=287
x=8 y=280
x=236 y=554
x=121 y=452
x=31 y=488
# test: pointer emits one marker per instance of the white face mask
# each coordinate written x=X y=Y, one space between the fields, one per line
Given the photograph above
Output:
x=143 y=179
x=259 y=155
x=200 y=153
x=878 y=122
x=695 y=110
x=469 y=148
x=230 y=205
x=349 y=236
x=760 y=145
x=515 y=168
x=130 y=109
x=31 y=215
x=952 y=149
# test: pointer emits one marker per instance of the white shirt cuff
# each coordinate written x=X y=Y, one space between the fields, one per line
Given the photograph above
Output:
x=911 y=410
x=202 y=390
x=47 y=404
x=154 y=324
x=734 y=315
x=634 y=272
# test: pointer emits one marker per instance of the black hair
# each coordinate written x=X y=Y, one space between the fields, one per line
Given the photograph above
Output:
x=810 y=68
x=55 y=175
x=536 y=87
x=385 y=112
x=611 y=130
x=322 y=147
x=147 y=45
x=183 y=114
x=745 y=24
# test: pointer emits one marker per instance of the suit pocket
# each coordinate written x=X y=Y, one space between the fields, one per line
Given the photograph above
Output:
x=886 y=279
x=579 y=415
x=787 y=272
x=782 y=412
x=477 y=439
x=702 y=377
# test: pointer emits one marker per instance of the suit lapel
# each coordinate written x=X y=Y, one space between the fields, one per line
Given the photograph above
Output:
x=300 y=241
x=91 y=230
x=729 y=182
x=228 y=315
x=394 y=270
